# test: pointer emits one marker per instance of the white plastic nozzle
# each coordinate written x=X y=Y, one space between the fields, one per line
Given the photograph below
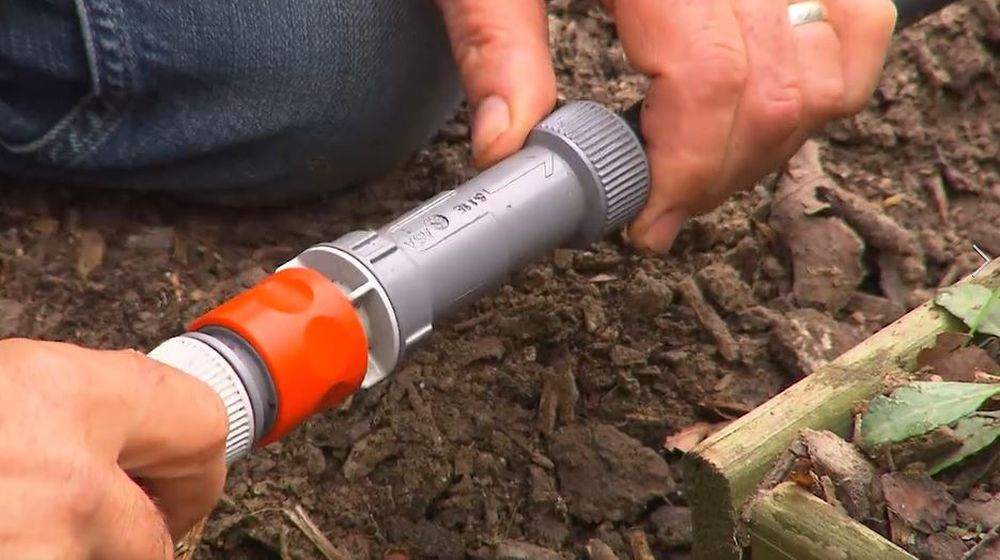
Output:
x=201 y=361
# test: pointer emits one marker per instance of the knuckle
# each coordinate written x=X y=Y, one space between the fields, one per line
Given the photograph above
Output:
x=82 y=491
x=480 y=37
x=35 y=362
x=726 y=60
x=827 y=99
x=20 y=350
x=70 y=488
x=780 y=112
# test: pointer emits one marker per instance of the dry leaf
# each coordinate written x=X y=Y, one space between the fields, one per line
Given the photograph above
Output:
x=730 y=410
x=922 y=502
x=953 y=361
x=690 y=436
x=972 y=511
x=90 y=253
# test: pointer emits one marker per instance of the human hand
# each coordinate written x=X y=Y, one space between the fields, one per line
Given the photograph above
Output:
x=735 y=89
x=103 y=454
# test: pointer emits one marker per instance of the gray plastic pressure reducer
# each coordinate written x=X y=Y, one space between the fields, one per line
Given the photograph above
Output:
x=581 y=174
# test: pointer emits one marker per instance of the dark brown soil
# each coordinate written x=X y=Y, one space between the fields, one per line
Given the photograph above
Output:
x=534 y=421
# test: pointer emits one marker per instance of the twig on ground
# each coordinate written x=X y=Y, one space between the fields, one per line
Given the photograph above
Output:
x=598 y=550
x=929 y=65
x=186 y=549
x=428 y=425
x=559 y=395
x=470 y=324
x=936 y=185
x=302 y=521
x=709 y=319
x=825 y=252
x=639 y=544
x=868 y=219
x=510 y=520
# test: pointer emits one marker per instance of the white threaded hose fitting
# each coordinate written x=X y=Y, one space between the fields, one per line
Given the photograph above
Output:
x=201 y=361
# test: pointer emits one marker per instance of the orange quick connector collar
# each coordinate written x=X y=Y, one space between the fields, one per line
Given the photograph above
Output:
x=309 y=336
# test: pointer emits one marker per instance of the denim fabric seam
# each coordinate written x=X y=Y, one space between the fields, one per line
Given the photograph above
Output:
x=113 y=69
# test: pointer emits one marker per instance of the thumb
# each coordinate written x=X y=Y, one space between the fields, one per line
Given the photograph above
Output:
x=174 y=438
x=502 y=51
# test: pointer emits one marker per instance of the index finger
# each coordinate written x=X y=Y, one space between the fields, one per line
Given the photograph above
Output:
x=166 y=429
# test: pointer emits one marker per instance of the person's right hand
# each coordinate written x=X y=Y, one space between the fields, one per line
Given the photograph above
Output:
x=735 y=90
x=104 y=455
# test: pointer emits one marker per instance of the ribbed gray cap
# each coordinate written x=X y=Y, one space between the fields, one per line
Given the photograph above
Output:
x=614 y=153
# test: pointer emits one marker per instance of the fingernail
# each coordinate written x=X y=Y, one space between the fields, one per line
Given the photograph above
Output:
x=492 y=119
x=660 y=236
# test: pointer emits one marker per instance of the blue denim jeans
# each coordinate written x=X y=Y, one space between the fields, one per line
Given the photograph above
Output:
x=224 y=96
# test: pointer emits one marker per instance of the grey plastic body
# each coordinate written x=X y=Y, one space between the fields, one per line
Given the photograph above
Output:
x=582 y=173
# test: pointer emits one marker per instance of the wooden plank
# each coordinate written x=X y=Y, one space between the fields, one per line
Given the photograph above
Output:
x=789 y=523
x=724 y=471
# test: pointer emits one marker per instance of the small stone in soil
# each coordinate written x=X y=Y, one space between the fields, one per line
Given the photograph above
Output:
x=543 y=487
x=985 y=513
x=598 y=550
x=517 y=550
x=646 y=296
x=672 y=525
x=487 y=348
x=548 y=529
x=625 y=356
x=755 y=319
x=601 y=261
x=151 y=239
x=10 y=317
x=745 y=257
x=425 y=539
x=873 y=309
x=807 y=339
x=725 y=287
x=942 y=546
x=605 y=474
x=594 y=318
x=368 y=452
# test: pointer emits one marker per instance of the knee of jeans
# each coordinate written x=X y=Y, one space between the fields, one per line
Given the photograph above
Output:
x=395 y=85
x=43 y=67
x=239 y=94
x=333 y=93
x=360 y=88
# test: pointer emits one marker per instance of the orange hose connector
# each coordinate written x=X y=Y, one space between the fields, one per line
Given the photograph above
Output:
x=309 y=336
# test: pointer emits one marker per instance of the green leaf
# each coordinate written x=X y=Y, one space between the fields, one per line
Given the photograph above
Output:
x=919 y=407
x=975 y=305
x=977 y=431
